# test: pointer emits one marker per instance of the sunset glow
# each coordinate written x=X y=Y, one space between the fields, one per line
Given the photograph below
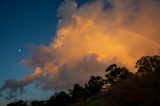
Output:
x=88 y=38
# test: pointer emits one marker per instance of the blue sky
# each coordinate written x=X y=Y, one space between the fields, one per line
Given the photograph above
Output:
x=22 y=23
x=34 y=22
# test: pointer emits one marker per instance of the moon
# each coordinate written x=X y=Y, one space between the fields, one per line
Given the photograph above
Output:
x=19 y=50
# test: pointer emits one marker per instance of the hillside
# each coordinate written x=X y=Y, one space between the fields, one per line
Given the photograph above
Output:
x=136 y=91
x=126 y=88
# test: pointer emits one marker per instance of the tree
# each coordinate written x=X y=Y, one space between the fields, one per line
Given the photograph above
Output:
x=37 y=103
x=147 y=64
x=94 y=85
x=59 y=99
x=115 y=74
x=77 y=93
x=18 y=103
x=51 y=101
x=63 y=99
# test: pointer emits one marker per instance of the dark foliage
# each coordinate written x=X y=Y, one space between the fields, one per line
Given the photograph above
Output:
x=18 y=103
x=37 y=103
x=78 y=93
x=115 y=74
x=94 y=85
x=148 y=64
x=59 y=99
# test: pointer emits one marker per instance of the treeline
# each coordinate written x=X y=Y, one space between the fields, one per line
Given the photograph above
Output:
x=114 y=75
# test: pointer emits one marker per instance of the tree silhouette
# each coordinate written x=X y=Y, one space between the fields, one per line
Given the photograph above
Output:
x=18 y=103
x=51 y=100
x=115 y=74
x=147 y=64
x=94 y=85
x=59 y=99
x=37 y=103
x=77 y=93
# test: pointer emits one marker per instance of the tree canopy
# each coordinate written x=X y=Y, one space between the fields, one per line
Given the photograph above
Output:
x=115 y=74
x=18 y=103
x=77 y=92
x=94 y=85
x=148 y=64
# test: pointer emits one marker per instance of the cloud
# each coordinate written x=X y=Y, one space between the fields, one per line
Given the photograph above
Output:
x=92 y=36
x=12 y=87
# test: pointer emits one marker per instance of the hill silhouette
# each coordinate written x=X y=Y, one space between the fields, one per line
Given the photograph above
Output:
x=136 y=91
x=122 y=88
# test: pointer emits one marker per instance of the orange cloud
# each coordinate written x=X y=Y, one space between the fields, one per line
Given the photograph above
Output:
x=120 y=34
x=92 y=36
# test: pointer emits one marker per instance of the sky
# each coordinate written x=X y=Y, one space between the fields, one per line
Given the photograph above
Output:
x=24 y=23
x=48 y=45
